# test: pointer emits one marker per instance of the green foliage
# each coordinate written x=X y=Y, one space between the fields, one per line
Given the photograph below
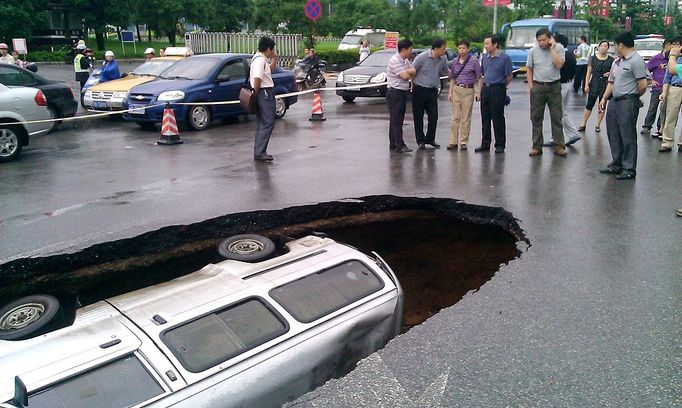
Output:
x=20 y=18
x=338 y=57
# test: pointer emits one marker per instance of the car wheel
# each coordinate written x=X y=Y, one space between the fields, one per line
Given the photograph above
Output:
x=146 y=125
x=54 y=114
x=10 y=142
x=348 y=98
x=29 y=316
x=247 y=248
x=515 y=74
x=300 y=86
x=199 y=117
x=280 y=108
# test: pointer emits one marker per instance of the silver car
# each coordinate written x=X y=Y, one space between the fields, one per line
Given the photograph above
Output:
x=20 y=104
x=233 y=334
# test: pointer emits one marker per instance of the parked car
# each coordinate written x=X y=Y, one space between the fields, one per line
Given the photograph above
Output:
x=251 y=331
x=113 y=95
x=202 y=78
x=20 y=104
x=372 y=70
x=61 y=101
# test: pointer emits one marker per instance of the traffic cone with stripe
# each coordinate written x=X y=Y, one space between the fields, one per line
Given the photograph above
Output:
x=318 y=114
x=169 y=128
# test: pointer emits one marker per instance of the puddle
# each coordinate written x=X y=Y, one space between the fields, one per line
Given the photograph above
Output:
x=439 y=248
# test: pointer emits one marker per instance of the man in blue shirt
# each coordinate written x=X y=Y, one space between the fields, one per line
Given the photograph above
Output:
x=496 y=67
x=672 y=96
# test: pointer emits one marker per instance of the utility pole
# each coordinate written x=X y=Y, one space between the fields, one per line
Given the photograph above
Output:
x=495 y=17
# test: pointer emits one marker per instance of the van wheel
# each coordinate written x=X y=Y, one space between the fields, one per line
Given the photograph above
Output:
x=29 y=317
x=247 y=248
x=10 y=142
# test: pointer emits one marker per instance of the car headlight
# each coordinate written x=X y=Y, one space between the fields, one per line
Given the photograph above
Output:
x=379 y=78
x=340 y=77
x=120 y=95
x=171 y=96
x=88 y=93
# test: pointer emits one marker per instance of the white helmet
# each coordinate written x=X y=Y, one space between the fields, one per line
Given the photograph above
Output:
x=81 y=46
x=149 y=51
x=109 y=54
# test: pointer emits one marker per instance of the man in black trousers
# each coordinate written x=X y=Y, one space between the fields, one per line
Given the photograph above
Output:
x=398 y=74
x=497 y=74
x=430 y=65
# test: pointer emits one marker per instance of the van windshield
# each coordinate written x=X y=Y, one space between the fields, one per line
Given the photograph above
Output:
x=122 y=383
x=352 y=39
x=522 y=37
x=648 y=45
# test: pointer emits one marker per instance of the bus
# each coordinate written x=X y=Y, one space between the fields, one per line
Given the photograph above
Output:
x=520 y=36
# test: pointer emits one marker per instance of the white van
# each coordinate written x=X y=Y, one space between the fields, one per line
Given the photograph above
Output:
x=354 y=38
x=251 y=331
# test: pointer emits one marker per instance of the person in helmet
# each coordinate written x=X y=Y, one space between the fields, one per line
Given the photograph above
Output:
x=149 y=53
x=110 y=68
x=81 y=65
x=5 y=58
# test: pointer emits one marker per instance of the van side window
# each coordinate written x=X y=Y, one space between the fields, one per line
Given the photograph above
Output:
x=212 y=339
x=121 y=383
x=319 y=294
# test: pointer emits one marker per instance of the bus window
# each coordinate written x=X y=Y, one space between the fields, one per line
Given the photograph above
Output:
x=522 y=37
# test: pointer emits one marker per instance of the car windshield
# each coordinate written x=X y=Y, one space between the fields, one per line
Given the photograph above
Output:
x=154 y=67
x=352 y=39
x=522 y=37
x=191 y=68
x=378 y=59
x=648 y=45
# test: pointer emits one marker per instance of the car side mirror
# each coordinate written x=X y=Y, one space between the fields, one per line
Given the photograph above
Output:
x=20 y=393
x=222 y=78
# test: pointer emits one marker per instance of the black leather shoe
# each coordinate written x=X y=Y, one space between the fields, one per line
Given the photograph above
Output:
x=264 y=158
x=549 y=144
x=665 y=149
x=481 y=149
x=422 y=146
x=679 y=148
x=610 y=170
x=434 y=144
x=625 y=176
x=403 y=149
x=499 y=150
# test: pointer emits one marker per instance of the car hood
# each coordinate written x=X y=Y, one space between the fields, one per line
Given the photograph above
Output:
x=163 y=85
x=364 y=71
x=122 y=84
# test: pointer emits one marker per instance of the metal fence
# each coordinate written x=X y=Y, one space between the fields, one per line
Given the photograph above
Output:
x=203 y=43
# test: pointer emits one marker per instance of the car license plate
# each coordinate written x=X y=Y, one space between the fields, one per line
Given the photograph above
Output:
x=136 y=110
x=99 y=104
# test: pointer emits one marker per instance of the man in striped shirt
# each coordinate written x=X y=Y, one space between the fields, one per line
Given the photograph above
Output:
x=398 y=73
x=465 y=73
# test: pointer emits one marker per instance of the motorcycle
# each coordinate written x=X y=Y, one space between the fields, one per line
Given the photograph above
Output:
x=310 y=74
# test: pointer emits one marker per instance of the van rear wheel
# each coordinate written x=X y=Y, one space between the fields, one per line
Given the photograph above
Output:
x=247 y=248
x=29 y=317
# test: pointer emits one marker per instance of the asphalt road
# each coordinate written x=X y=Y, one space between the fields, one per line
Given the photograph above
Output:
x=588 y=316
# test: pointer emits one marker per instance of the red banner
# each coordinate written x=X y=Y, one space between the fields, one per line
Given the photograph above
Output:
x=391 y=40
x=491 y=3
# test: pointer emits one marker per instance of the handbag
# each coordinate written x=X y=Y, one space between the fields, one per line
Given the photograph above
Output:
x=248 y=99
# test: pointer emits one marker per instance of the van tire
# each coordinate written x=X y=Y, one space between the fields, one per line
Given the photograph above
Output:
x=29 y=316
x=247 y=248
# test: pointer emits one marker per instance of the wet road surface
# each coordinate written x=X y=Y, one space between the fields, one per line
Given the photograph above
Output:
x=588 y=316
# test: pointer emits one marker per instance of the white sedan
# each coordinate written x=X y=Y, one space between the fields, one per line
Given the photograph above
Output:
x=20 y=104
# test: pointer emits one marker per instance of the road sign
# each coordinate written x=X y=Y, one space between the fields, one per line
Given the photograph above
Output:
x=128 y=37
x=391 y=40
x=313 y=9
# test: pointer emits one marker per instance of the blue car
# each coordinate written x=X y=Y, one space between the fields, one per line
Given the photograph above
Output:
x=202 y=78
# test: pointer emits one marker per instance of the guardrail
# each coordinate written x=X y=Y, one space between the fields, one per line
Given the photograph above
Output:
x=203 y=43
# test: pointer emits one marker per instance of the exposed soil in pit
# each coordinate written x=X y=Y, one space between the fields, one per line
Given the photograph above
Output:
x=439 y=248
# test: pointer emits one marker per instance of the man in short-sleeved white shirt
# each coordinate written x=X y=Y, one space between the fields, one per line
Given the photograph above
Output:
x=627 y=82
x=260 y=77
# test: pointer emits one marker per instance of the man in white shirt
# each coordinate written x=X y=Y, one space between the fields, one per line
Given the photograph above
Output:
x=5 y=58
x=582 y=58
x=260 y=77
x=399 y=72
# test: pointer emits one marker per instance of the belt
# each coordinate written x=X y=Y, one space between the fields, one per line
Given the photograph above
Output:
x=493 y=84
x=545 y=83
x=465 y=85
x=676 y=85
x=624 y=97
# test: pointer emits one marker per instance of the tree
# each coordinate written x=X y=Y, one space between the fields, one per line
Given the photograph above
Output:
x=227 y=15
x=97 y=14
x=20 y=18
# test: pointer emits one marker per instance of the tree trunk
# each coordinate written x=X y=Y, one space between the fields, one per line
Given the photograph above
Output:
x=99 y=36
x=171 y=36
x=139 y=37
x=149 y=33
x=118 y=32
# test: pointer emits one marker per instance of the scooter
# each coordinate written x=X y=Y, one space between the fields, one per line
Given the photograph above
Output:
x=310 y=74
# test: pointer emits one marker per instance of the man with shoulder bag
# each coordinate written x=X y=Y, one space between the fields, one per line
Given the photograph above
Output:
x=260 y=78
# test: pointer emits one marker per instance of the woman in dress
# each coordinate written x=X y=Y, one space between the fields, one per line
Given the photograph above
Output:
x=596 y=80
x=364 y=51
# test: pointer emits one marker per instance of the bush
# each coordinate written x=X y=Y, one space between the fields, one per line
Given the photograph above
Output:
x=46 y=56
x=339 y=57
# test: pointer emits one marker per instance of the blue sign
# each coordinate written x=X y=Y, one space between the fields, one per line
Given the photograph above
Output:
x=313 y=9
x=127 y=36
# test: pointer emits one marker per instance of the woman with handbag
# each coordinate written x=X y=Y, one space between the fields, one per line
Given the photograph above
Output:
x=260 y=78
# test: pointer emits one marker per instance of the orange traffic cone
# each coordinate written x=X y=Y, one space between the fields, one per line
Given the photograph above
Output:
x=169 y=128
x=318 y=114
